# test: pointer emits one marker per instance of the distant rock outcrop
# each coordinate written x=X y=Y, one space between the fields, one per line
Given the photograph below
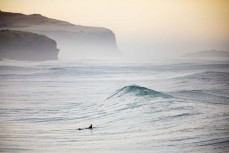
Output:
x=72 y=40
x=18 y=45
x=208 y=54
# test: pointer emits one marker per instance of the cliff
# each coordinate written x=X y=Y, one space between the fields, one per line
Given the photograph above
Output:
x=18 y=45
x=208 y=54
x=72 y=40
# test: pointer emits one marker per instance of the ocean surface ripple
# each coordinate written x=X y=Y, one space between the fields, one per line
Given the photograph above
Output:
x=134 y=107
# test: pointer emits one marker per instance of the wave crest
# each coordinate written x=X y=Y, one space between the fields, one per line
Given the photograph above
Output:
x=135 y=90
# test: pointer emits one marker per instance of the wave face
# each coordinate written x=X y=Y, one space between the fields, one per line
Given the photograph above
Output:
x=138 y=91
x=177 y=107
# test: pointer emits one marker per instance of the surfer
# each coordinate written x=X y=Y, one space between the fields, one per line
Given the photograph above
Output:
x=90 y=127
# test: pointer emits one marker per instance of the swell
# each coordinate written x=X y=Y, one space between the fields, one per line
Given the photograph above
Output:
x=138 y=91
x=207 y=75
x=206 y=96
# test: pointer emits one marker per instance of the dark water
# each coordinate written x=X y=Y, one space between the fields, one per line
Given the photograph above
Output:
x=134 y=107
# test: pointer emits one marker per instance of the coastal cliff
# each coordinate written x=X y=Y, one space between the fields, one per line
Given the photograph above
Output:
x=72 y=40
x=18 y=45
x=208 y=54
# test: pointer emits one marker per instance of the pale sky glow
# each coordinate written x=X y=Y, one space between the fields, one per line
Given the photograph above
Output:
x=165 y=26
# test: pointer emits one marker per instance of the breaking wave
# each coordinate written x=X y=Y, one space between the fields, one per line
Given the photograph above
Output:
x=135 y=90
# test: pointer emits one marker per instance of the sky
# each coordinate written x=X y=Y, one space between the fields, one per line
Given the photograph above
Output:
x=143 y=27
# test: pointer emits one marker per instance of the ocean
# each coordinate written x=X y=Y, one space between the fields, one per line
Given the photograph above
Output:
x=135 y=107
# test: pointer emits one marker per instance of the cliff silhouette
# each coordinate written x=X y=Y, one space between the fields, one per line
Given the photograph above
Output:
x=208 y=54
x=18 y=45
x=81 y=41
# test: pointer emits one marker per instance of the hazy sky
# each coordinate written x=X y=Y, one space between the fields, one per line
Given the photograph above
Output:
x=143 y=27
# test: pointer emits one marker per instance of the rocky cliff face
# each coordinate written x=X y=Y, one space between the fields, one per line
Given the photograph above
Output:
x=18 y=45
x=82 y=41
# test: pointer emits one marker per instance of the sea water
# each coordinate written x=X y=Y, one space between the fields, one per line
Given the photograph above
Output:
x=177 y=106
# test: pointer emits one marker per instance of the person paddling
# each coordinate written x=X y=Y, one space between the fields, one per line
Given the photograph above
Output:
x=90 y=127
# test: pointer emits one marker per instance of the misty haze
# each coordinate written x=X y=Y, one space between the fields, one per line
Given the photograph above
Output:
x=114 y=76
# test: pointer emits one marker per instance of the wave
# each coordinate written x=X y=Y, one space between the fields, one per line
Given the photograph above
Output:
x=206 y=75
x=135 y=90
x=209 y=96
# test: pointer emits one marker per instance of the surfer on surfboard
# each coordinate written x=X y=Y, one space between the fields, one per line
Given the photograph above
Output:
x=90 y=127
